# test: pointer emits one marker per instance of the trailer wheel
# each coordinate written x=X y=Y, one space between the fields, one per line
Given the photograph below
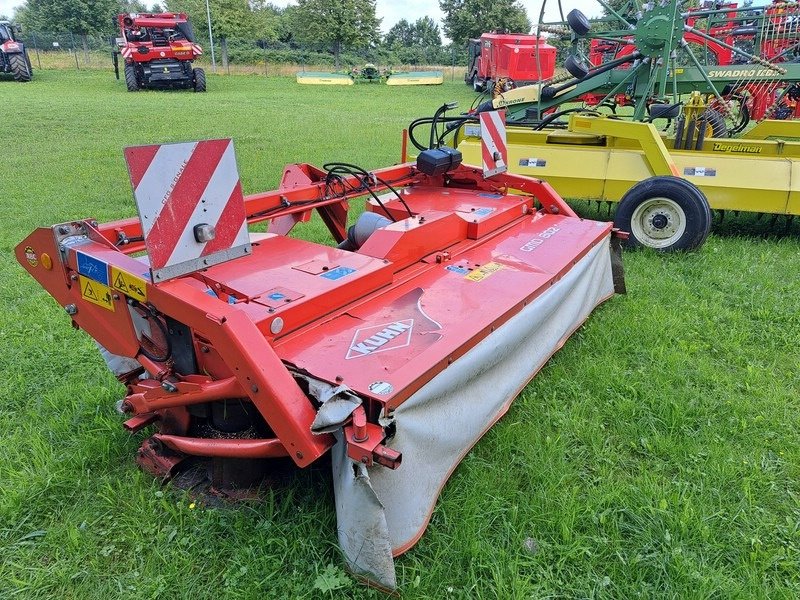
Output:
x=19 y=67
x=199 y=80
x=130 y=78
x=665 y=213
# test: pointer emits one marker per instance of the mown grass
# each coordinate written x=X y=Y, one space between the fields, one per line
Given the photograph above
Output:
x=656 y=455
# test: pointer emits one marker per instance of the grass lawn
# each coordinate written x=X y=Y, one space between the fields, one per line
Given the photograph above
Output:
x=657 y=454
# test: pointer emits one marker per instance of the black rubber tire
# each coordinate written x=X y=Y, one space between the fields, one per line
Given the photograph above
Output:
x=575 y=67
x=578 y=22
x=686 y=200
x=131 y=80
x=28 y=62
x=199 y=77
x=19 y=67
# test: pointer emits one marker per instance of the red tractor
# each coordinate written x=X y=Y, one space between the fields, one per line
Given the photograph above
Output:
x=13 y=57
x=158 y=50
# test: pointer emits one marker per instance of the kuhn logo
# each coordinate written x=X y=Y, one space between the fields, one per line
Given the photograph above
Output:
x=380 y=338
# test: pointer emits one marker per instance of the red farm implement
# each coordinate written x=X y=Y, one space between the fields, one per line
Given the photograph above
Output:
x=394 y=349
x=158 y=50
x=508 y=59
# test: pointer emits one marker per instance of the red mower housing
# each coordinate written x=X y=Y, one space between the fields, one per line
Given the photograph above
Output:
x=158 y=50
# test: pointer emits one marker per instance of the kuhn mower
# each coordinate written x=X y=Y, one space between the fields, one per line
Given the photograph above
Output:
x=394 y=351
x=158 y=50
x=13 y=56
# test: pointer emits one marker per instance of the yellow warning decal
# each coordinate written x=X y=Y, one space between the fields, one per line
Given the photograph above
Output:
x=128 y=284
x=96 y=293
x=483 y=272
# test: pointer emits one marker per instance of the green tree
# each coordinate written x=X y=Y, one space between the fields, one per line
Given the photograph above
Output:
x=229 y=18
x=401 y=34
x=336 y=24
x=74 y=16
x=465 y=19
x=426 y=33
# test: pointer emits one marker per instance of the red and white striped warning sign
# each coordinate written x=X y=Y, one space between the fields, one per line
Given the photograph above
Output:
x=127 y=52
x=493 y=142
x=197 y=49
x=190 y=204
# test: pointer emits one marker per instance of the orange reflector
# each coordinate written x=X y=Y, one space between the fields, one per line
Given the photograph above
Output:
x=47 y=262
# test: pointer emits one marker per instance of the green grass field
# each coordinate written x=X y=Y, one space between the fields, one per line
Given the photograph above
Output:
x=657 y=455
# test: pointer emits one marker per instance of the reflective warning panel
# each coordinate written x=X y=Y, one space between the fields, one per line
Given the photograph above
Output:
x=190 y=204
x=493 y=142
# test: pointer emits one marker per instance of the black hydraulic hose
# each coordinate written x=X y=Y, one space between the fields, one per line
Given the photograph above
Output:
x=453 y=123
x=598 y=71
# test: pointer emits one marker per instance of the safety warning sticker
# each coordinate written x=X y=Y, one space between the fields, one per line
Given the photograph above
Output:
x=483 y=272
x=128 y=284
x=96 y=293
x=337 y=273
x=89 y=266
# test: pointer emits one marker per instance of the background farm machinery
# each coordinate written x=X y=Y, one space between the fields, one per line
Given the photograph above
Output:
x=648 y=60
x=506 y=59
x=644 y=108
x=370 y=73
x=14 y=58
x=158 y=51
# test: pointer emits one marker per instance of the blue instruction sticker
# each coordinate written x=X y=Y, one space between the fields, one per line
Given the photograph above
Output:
x=337 y=273
x=490 y=195
x=90 y=267
x=482 y=212
x=457 y=269
x=276 y=296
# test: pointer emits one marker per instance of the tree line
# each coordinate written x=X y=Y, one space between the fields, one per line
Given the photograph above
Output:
x=330 y=27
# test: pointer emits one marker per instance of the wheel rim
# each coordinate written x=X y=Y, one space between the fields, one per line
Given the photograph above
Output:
x=658 y=222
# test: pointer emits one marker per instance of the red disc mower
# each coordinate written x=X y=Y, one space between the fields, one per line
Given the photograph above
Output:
x=393 y=349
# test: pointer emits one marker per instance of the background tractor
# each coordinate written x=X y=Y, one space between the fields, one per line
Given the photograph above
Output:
x=158 y=50
x=13 y=57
